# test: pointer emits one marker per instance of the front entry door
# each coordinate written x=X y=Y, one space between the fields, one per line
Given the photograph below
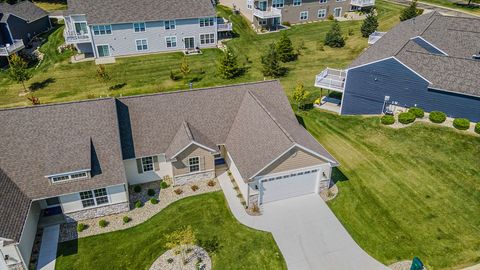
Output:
x=190 y=43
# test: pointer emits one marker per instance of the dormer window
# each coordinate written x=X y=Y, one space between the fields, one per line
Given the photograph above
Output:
x=68 y=176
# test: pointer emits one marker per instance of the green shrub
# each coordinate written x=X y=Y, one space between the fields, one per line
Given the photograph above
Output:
x=81 y=227
x=406 y=118
x=153 y=200
x=461 y=123
x=477 y=128
x=163 y=185
x=210 y=245
x=150 y=192
x=126 y=219
x=437 y=117
x=137 y=188
x=418 y=112
x=388 y=119
x=138 y=204
x=102 y=223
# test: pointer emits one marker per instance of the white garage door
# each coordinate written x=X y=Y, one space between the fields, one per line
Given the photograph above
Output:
x=289 y=185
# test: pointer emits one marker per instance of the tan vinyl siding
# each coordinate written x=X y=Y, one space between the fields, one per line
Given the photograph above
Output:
x=294 y=159
x=207 y=161
x=291 y=13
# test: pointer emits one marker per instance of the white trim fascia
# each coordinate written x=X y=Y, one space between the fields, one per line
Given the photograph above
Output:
x=66 y=173
x=271 y=162
x=192 y=173
x=440 y=50
x=262 y=177
x=190 y=144
x=314 y=153
x=166 y=43
x=141 y=40
x=418 y=74
x=75 y=192
x=453 y=92
x=344 y=91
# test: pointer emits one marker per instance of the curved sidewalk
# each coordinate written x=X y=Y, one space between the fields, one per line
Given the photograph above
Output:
x=306 y=231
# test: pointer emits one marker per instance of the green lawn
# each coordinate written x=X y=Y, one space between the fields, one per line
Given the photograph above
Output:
x=410 y=192
x=51 y=5
x=63 y=81
x=138 y=247
x=457 y=4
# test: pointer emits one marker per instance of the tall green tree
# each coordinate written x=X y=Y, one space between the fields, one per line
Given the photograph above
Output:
x=271 y=63
x=370 y=25
x=18 y=71
x=300 y=95
x=228 y=67
x=285 y=49
x=410 y=12
x=334 y=36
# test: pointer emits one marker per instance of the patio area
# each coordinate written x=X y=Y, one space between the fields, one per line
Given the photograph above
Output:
x=331 y=102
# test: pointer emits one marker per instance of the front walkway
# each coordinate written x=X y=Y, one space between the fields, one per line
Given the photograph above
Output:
x=48 y=248
x=306 y=231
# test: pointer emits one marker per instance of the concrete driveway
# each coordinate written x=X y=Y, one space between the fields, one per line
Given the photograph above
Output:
x=306 y=231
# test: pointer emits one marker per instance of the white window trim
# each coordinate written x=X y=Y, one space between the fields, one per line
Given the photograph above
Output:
x=340 y=13
x=324 y=15
x=250 y=4
x=165 y=25
x=98 y=54
x=105 y=25
x=320 y=1
x=153 y=163
x=206 y=18
x=144 y=23
x=190 y=166
x=136 y=46
x=283 y=4
x=297 y=4
x=95 y=198
x=262 y=21
x=301 y=15
x=176 y=42
x=69 y=175
x=200 y=38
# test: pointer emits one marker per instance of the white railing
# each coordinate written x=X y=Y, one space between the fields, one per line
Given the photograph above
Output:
x=363 y=3
x=74 y=37
x=374 y=37
x=11 y=48
x=269 y=13
x=223 y=27
x=331 y=79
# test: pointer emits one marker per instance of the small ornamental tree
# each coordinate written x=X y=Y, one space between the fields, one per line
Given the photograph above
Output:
x=18 y=70
x=184 y=67
x=285 y=49
x=334 y=36
x=102 y=74
x=180 y=239
x=370 y=25
x=300 y=95
x=228 y=67
x=271 y=63
x=410 y=12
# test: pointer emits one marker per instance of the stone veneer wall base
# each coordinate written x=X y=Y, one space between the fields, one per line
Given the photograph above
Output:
x=191 y=178
x=97 y=212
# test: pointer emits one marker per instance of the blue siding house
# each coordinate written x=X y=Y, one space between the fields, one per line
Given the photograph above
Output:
x=431 y=62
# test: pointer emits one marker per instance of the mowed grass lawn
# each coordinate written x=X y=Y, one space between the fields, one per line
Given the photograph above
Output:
x=138 y=247
x=63 y=81
x=460 y=5
x=410 y=192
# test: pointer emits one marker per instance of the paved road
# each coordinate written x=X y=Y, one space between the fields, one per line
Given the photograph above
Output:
x=431 y=7
x=308 y=234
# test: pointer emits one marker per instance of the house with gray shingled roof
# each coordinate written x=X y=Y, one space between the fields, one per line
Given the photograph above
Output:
x=111 y=28
x=76 y=160
x=431 y=61
x=19 y=23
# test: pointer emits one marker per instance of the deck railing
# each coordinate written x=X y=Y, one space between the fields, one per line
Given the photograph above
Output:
x=224 y=27
x=6 y=50
x=74 y=37
x=331 y=79
x=363 y=3
x=269 y=13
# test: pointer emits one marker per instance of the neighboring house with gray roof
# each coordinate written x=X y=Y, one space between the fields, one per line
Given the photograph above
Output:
x=76 y=160
x=431 y=61
x=19 y=23
x=113 y=28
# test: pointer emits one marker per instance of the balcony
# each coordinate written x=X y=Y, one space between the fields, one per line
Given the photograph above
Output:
x=72 y=37
x=224 y=25
x=331 y=79
x=374 y=37
x=363 y=3
x=8 y=49
x=267 y=14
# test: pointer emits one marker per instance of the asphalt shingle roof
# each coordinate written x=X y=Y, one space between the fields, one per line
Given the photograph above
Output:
x=24 y=9
x=125 y=11
x=458 y=37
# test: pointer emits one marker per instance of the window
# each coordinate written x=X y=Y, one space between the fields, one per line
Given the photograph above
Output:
x=322 y=13
x=100 y=30
x=147 y=164
x=81 y=28
x=78 y=175
x=297 y=2
x=103 y=50
x=204 y=22
x=207 y=39
x=323 y=1
x=277 y=3
x=194 y=164
x=139 y=27
x=262 y=22
x=54 y=201
x=249 y=4
x=304 y=15
x=170 y=25
x=141 y=44
x=67 y=177
x=94 y=198
x=60 y=178
x=171 y=42
x=337 y=12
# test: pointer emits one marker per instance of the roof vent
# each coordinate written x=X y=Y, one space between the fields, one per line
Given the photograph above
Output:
x=476 y=56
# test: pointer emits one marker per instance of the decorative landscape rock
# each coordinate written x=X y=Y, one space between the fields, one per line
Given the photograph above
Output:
x=197 y=258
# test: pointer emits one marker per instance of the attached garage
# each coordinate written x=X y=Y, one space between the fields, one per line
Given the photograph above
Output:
x=289 y=184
